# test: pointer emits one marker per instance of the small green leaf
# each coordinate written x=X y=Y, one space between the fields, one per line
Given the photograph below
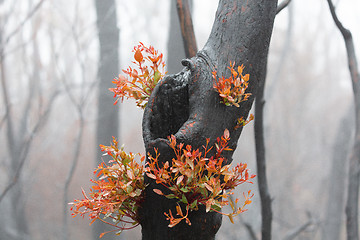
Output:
x=194 y=205
x=216 y=207
x=171 y=196
x=157 y=76
x=184 y=200
x=184 y=189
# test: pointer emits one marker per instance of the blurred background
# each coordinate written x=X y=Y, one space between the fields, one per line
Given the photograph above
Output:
x=58 y=58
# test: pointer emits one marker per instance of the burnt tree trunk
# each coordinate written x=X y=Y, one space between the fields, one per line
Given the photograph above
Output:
x=187 y=106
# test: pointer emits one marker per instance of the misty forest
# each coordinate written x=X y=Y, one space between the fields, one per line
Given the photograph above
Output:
x=292 y=129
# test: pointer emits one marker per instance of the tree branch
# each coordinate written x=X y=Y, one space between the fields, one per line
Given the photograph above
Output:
x=282 y=5
x=187 y=29
x=17 y=29
x=297 y=231
x=26 y=146
x=250 y=231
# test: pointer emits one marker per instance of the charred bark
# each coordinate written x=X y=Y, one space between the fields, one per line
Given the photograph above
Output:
x=187 y=106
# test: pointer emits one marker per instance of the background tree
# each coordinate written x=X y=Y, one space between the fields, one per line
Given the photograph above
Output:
x=335 y=207
x=107 y=114
x=352 y=204
x=19 y=132
x=175 y=46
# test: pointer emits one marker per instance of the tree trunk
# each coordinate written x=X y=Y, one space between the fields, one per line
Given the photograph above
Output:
x=352 y=203
x=176 y=51
x=187 y=106
x=335 y=206
x=187 y=29
x=175 y=45
x=107 y=117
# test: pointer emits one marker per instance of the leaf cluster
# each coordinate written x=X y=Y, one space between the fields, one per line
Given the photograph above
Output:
x=240 y=122
x=232 y=89
x=140 y=81
x=117 y=194
x=195 y=179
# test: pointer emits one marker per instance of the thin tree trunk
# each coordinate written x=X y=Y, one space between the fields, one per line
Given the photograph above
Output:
x=265 y=198
x=336 y=199
x=187 y=29
x=352 y=206
x=75 y=159
x=266 y=210
x=17 y=159
x=176 y=51
x=107 y=116
x=187 y=106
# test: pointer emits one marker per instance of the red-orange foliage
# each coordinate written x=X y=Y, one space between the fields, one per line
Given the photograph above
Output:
x=141 y=80
x=117 y=193
x=194 y=179
x=232 y=89
x=241 y=122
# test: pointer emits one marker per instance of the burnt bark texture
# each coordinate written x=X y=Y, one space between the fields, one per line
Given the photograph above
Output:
x=187 y=106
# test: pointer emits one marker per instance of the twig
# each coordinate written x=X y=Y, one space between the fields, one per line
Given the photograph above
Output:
x=294 y=233
x=17 y=29
x=250 y=231
x=26 y=147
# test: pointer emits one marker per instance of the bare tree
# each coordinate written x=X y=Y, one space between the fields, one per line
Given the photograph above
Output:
x=107 y=114
x=265 y=198
x=352 y=203
x=20 y=133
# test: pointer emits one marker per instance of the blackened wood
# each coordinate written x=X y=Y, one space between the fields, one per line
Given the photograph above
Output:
x=187 y=106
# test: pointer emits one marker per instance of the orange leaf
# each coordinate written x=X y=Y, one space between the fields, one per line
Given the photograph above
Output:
x=138 y=56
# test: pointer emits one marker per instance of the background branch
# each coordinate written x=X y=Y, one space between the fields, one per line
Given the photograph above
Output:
x=17 y=29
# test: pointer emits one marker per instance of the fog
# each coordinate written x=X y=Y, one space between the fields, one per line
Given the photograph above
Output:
x=49 y=75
